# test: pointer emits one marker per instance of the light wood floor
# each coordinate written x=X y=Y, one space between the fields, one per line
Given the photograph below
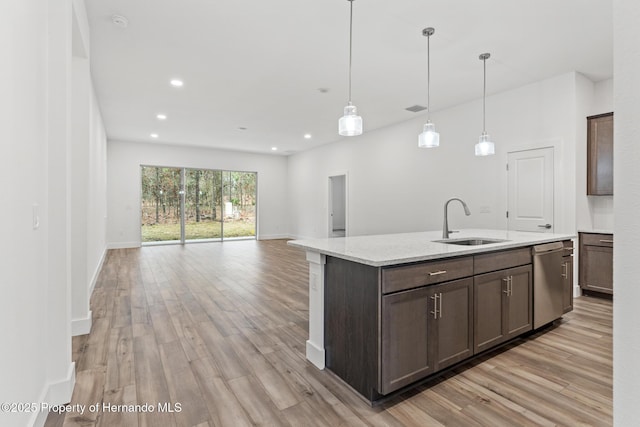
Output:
x=221 y=330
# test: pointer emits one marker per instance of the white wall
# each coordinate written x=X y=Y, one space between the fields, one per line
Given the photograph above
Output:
x=387 y=170
x=87 y=167
x=35 y=75
x=626 y=268
x=123 y=177
x=54 y=152
x=593 y=212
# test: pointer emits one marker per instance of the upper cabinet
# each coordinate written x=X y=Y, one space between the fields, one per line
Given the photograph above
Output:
x=600 y=155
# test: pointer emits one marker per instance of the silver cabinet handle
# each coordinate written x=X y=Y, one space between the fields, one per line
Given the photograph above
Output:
x=509 y=281
x=436 y=273
x=547 y=226
x=435 y=306
x=606 y=241
x=565 y=269
x=440 y=305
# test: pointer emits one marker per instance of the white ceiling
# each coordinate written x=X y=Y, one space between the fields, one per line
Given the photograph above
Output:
x=260 y=64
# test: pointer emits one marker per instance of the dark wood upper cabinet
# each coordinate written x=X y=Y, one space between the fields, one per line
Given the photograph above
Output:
x=600 y=155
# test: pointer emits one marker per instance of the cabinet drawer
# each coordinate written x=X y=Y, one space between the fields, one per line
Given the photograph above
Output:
x=396 y=279
x=493 y=261
x=595 y=239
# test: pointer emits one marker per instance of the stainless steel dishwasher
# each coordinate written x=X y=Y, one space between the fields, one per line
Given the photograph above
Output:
x=547 y=283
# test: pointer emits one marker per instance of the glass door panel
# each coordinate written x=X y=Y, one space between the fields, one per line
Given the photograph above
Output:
x=161 y=204
x=203 y=215
x=239 y=199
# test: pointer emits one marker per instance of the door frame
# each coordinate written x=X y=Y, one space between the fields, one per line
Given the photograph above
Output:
x=330 y=202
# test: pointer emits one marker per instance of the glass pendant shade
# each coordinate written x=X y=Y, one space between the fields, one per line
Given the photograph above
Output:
x=429 y=138
x=351 y=123
x=485 y=147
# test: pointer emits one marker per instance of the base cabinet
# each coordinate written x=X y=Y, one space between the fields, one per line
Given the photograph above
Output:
x=596 y=262
x=567 y=277
x=425 y=330
x=388 y=327
x=502 y=306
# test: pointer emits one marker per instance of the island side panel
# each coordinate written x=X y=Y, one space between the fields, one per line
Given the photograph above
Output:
x=351 y=323
x=315 y=343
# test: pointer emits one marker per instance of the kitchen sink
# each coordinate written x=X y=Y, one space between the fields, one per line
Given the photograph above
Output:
x=471 y=241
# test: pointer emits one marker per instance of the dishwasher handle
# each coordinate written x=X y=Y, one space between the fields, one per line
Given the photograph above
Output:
x=547 y=248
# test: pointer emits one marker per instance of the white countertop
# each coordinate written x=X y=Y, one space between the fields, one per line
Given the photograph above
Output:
x=390 y=249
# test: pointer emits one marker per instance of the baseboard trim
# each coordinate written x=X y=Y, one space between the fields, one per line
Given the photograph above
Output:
x=123 y=245
x=81 y=326
x=273 y=237
x=57 y=393
x=96 y=272
x=315 y=355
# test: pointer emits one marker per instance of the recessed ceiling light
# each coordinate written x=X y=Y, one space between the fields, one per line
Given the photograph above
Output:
x=274 y=148
x=162 y=117
x=177 y=83
x=307 y=136
x=154 y=135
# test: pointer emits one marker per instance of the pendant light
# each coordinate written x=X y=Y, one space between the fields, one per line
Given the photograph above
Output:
x=351 y=123
x=484 y=147
x=429 y=138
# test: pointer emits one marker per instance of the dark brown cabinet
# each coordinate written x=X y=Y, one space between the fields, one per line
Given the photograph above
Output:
x=388 y=327
x=567 y=276
x=596 y=262
x=502 y=306
x=600 y=155
x=425 y=330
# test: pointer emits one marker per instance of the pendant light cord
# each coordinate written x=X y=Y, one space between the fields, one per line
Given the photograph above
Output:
x=428 y=78
x=484 y=98
x=350 y=45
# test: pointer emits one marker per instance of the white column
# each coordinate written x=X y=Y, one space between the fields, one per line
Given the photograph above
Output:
x=315 y=343
x=626 y=181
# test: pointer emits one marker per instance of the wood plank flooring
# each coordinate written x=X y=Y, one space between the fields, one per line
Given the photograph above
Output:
x=217 y=333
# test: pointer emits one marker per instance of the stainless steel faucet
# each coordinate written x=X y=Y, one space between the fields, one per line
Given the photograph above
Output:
x=445 y=226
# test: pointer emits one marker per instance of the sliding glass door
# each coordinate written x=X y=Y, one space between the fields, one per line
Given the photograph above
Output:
x=161 y=209
x=203 y=219
x=181 y=205
x=239 y=196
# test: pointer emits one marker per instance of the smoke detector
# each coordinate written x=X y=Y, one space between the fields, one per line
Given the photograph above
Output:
x=120 y=21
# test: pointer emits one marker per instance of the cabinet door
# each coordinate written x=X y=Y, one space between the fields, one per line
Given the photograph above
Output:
x=489 y=292
x=567 y=275
x=597 y=265
x=502 y=306
x=405 y=352
x=519 y=304
x=452 y=325
x=600 y=155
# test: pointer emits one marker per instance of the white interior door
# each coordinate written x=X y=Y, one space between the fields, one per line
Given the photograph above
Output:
x=530 y=190
x=337 y=206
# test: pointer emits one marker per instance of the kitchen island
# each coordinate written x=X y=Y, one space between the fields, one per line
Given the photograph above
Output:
x=386 y=311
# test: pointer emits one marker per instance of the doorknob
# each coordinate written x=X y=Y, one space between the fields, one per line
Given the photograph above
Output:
x=547 y=226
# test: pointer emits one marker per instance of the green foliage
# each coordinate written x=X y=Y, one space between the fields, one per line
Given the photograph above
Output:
x=206 y=193
x=200 y=230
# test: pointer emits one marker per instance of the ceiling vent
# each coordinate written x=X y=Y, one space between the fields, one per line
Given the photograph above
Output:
x=416 y=108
